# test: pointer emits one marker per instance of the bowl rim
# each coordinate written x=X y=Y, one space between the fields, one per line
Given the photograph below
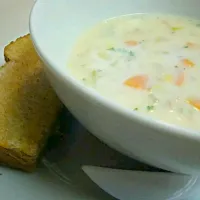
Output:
x=161 y=126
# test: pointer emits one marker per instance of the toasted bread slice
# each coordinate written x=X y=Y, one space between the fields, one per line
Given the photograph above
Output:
x=28 y=106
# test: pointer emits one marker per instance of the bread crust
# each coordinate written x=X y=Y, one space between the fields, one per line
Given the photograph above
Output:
x=28 y=106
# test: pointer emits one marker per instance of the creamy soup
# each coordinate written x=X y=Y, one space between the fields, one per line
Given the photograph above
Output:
x=148 y=63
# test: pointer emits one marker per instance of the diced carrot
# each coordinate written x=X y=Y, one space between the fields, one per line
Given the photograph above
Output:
x=138 y=82
x=190 y=44
x=195 y=103
x=188 y=63
x=131 y=43
x=180 y=79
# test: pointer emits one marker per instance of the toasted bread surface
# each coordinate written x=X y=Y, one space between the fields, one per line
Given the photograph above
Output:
x=28 y=105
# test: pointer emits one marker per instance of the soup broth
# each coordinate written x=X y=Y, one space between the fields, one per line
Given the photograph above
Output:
x=148 y=63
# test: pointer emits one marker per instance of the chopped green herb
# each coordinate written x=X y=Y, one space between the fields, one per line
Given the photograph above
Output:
x=131 y=53
x=176 y=28
x=93 y=78
x=176 y=66
x=150 y=108
x=121 y=50
x=94 y=73
x=198 y=25
x=136 y=109
x=185 y=47
x=111 y=49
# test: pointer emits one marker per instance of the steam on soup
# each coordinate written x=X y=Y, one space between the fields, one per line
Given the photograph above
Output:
x=148 y=63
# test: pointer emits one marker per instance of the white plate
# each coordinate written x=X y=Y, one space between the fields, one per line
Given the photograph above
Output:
x=78 y=147
x=14 y=185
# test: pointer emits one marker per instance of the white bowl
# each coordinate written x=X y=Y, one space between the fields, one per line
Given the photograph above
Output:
x=55 y=26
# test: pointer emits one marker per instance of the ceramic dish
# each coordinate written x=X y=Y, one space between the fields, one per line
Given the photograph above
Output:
x=55 y=27
x=68 y=153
